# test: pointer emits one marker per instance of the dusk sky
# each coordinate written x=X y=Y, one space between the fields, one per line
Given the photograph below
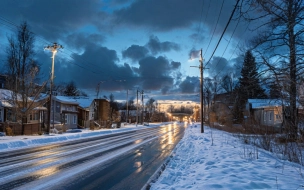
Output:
x=141 y=43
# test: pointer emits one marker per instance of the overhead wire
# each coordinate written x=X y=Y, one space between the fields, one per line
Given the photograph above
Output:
x=237 y=45
x=230 y=18
x=200 y=23
x=227 y=44
x=218 y=18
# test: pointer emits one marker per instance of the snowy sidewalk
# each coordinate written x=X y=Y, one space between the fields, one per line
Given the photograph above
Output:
x=218 y=160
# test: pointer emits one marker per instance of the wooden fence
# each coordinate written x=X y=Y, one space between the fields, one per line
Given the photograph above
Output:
x=16 y=128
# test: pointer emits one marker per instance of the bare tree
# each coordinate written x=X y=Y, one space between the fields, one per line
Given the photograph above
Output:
x=228 y=82
x=281 y=39
x=22 y=71
x=71 y=89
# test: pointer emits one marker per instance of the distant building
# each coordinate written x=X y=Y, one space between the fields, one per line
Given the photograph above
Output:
x=266 y=112
x=178 y=110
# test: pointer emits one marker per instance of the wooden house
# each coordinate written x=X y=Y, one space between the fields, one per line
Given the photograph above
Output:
x=266 y=112
x=64 y=111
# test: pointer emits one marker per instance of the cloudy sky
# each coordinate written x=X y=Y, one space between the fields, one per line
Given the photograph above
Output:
x=129 y=44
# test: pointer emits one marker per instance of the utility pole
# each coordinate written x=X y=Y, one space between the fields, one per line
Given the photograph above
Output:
x=201 y=67
x=127 y=115
x=142 y=109
x=137 y=107
x=201 y=89
x=53 y=49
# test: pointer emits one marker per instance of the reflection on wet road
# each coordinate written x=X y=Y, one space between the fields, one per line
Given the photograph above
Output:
x=116 y=161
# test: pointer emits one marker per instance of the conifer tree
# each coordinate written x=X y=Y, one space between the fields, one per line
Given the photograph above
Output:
x=249 y=86
x=249 y=81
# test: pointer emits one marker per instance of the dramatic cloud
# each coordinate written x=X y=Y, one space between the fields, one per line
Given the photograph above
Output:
x=79 y=40
x=53 y=18
x=162 y=15
x=95 y=32
x=94 y=65
x=175 y=65
x=158 y=77
x=174 y=14
x=194 y=54
x=189 y=85
x=156 y=46
x=220 y=66
x=135 y=52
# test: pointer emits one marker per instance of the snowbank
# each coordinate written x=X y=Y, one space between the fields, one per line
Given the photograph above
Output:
x=9 y=143
x=218 y=160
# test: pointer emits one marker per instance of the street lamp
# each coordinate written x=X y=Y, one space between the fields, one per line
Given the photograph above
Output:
x=53 y=49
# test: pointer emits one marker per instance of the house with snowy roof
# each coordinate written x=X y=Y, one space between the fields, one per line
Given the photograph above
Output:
x=266 y=112
x=13 y=106
x=64 y=111
x=80 y=111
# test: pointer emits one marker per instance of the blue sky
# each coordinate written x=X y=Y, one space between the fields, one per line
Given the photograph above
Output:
x=145 y=43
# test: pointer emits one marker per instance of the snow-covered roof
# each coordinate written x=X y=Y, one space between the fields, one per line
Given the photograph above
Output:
x=41 y=96
x=65 y=99
x=84 y=102
x=176 y=102
x=264 y=103
x=8 y=95
x=6 y=98
x=6 y=104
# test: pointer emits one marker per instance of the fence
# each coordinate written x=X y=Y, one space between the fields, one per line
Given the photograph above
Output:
x=16 y=128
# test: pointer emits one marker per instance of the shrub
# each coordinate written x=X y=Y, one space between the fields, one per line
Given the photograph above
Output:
x=9 y=131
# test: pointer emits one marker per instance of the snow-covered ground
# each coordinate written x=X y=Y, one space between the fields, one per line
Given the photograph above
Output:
x=15 y=142
x=212 y=160
x=218 y=160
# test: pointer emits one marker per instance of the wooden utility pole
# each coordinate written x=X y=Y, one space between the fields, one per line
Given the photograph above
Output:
x=137 y=107
x=201 y=89
x=201 y=67
x=53 y=49
x=142 y=107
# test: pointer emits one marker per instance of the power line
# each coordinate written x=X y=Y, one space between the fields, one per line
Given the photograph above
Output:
x=224 y=31
x=218 y=18
x=199 y=28
x=228 y=42
x=234 y=50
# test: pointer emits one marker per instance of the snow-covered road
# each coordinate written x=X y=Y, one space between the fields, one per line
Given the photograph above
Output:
x=42 y=167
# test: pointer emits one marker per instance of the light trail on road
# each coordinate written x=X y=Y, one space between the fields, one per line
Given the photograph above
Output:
x=42 y=166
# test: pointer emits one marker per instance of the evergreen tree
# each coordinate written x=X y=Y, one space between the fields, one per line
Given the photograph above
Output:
x=249 y=86
x=249 y=81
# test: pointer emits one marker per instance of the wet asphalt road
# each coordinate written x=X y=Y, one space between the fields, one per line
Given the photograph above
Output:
x=115 y=161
